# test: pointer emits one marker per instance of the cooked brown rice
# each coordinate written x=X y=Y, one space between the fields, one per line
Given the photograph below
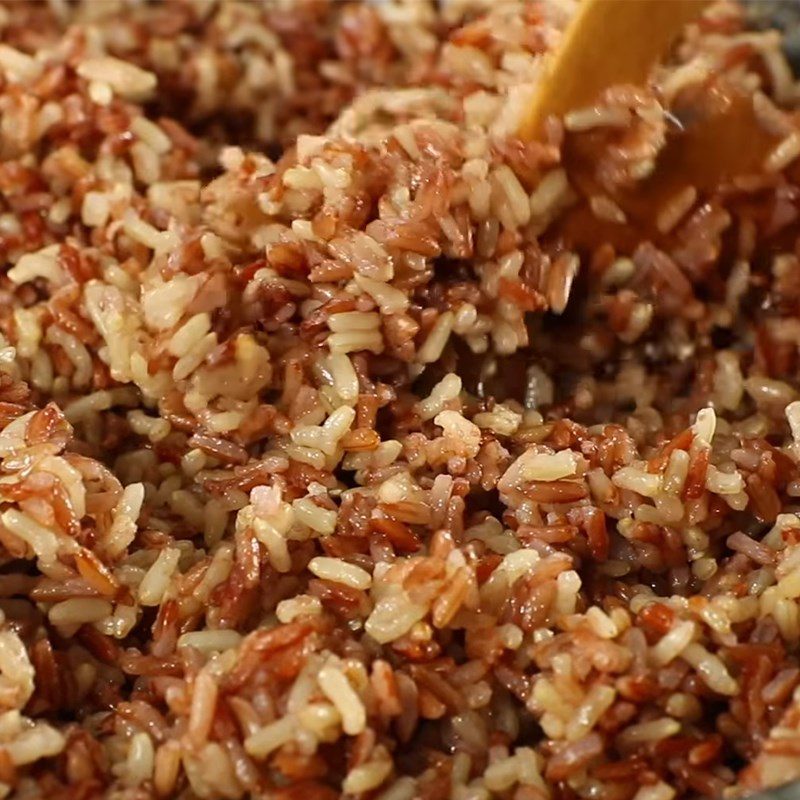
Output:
x=350 y=448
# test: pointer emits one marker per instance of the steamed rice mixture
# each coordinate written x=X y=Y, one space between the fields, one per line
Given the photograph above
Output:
x=333 y=464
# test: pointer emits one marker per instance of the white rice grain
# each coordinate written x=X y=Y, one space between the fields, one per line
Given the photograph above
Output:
x=156 y=581
x=673 y=643
x=126 y=79
x=288 y=610
x=711 y=669
x=210 y=641
x=340 y=571
x=338 y=690
x=79 y=611
x=260 y=744
x=434 y=345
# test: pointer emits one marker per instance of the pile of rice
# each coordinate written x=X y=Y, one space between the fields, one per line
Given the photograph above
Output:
x=337 y=461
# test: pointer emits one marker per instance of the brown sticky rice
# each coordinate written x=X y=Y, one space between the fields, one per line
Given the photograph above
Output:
x=335 y=463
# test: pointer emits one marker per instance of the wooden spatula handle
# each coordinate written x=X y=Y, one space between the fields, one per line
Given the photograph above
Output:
x=607 y=42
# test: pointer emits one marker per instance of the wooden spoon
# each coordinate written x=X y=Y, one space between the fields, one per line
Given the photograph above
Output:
x=610 y=42
x=607 y=42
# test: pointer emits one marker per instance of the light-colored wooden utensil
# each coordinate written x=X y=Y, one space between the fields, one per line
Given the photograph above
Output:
x=610 y=42
x=607 y=42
